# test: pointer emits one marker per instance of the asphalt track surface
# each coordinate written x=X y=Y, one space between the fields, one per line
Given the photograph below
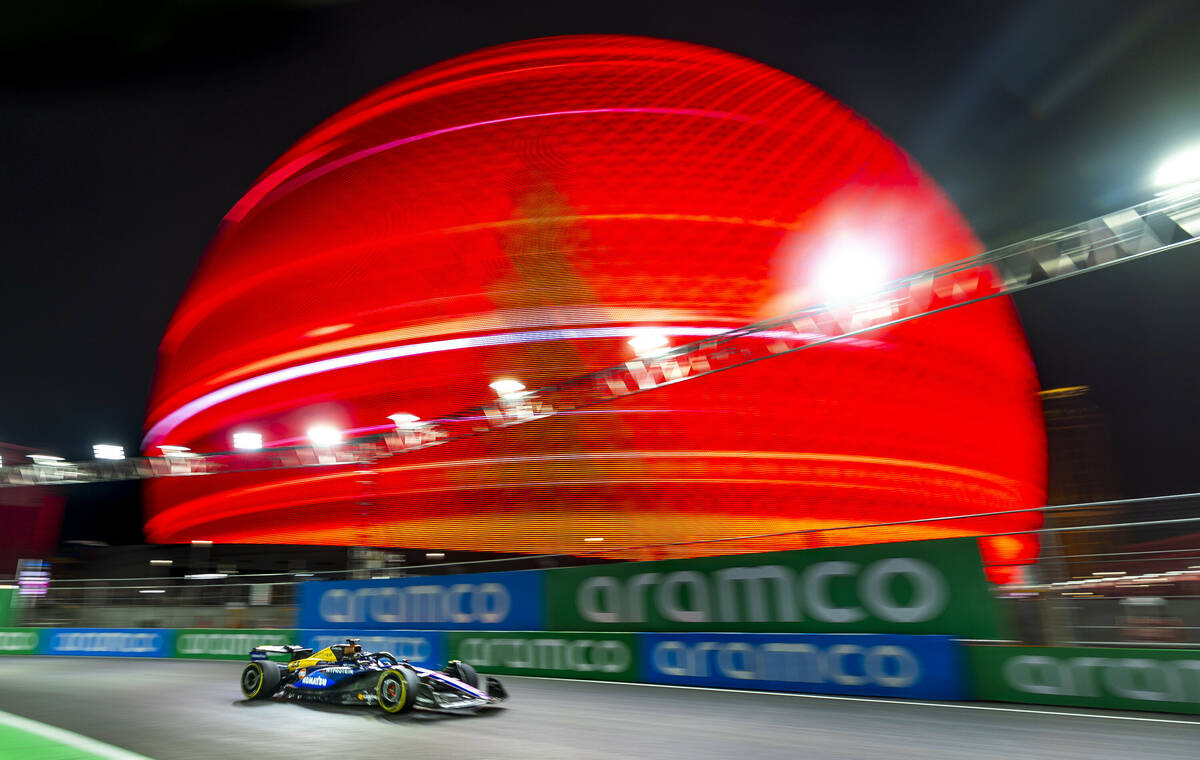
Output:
x=184 y=710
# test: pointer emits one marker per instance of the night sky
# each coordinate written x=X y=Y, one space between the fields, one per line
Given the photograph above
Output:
x=128 y=129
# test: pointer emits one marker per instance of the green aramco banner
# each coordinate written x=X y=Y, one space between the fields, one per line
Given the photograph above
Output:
x=219 y=644
x=1163 y=680
x=914 y=587
x=605 y=657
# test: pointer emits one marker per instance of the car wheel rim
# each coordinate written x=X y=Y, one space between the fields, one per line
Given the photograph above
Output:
x=249 y=680
x=389 y=691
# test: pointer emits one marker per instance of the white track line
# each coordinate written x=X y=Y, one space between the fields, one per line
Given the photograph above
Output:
x=68 y=738
x=880 y=700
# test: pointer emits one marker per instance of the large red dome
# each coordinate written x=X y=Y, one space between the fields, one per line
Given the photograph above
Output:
x=523 y=211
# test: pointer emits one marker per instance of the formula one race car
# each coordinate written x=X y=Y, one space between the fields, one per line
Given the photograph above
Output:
x=343 y=674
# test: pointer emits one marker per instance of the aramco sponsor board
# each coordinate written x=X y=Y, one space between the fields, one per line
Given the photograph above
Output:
x=106 y=642
x=426 y=649
x=603 y=657
x=916 y=667
x=19 y=640
x=505 y=601
x=218 y=644
x=935 y=587
x=1123 y=679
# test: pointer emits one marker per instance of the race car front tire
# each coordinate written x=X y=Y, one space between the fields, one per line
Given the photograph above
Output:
x=396 y=691
x=260 y=680
x=463 y=672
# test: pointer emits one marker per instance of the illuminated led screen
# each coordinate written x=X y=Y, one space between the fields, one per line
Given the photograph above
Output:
x=522 y=213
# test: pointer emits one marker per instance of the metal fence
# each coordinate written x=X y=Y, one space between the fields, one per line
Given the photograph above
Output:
x=1116 y=572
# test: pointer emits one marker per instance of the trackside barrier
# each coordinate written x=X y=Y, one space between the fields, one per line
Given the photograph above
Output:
x=880 y=665
x=593 y=656
x=904 y=666
x=918 y=587
x=926 y=587
x=1122 y=679
x=505 y=601
x=217 y=644
x=918 y=667
x=107 y=642
x=20 y=640
x=423 y=648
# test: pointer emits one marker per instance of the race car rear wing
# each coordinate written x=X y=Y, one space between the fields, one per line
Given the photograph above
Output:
x=293 y=651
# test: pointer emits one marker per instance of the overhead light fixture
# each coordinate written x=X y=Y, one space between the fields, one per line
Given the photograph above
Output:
x=435 y=555
x=850 y=269
x=46 y=460
x=1179 y=169
x=649 y=344
x=506 y=387
x=247 y=440
x=108 y=451
x=201 y=542
x=162 y=562
x=324 y=435
x=594 y=539
x=151 y=591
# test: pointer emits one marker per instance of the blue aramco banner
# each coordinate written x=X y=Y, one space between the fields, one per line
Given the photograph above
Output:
x=915 y=667
x=426 y=649
x=107 y=642
x=513 y=601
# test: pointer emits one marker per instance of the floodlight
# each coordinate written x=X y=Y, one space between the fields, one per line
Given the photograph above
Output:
x=108 y=451
x=245 y=439
x=649 y=344
x=506 y=387
x=324 y=435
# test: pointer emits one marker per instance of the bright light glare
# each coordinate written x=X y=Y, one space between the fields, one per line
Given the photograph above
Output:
x=404 y=420
x=162 y=562
x=649 y=344
x=324 y=435
x=151 y=591
x=593 y=539
x=46 y=460
x=108 y=451
x=179 y=452
x=246 y=440
x=435 y=555
x=506 y=387
x=206 y=576
x=201 y=542
x=851 y=270
x=1180 y=168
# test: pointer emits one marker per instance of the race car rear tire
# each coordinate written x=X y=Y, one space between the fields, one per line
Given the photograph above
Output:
x=396 y=691
x=463 y=672
x=260 y=680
